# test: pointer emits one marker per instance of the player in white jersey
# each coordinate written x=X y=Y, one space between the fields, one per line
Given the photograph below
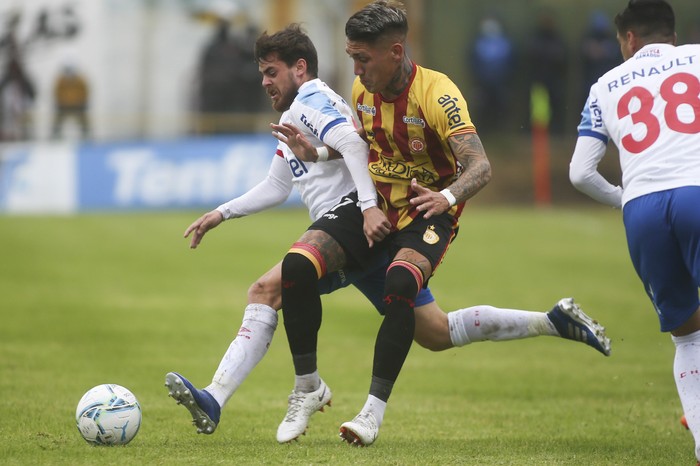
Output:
x=321 y=185
x=649 y=106
x=325 y=118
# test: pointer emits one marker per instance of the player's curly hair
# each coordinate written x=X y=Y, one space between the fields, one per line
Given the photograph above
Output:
x=376 y=20
x=650 y=19
x=290 y=44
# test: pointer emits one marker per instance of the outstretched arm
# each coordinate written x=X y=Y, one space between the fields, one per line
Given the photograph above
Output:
x=271 y=191
x=203 y=224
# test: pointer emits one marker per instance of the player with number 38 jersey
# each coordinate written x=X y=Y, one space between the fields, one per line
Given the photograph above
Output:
x=649 y=106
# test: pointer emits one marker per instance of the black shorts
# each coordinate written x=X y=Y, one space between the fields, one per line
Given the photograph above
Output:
x=344 y=223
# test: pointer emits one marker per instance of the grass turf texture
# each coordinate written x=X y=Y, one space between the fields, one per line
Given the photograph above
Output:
x=122 y=299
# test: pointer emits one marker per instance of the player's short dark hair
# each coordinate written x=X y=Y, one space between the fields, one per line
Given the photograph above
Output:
x=649 y=19
x=379 y=18
x=290 y=44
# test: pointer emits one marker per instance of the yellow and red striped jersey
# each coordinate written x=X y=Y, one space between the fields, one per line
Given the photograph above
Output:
x=408 y=139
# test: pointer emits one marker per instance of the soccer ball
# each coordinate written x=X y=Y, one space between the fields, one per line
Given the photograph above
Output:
x=108 y=414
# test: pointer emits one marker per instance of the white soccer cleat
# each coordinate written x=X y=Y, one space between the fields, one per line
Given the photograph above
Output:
x=299 y=410
x=361 y=431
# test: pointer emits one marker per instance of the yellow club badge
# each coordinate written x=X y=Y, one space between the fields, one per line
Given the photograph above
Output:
x=430 y=236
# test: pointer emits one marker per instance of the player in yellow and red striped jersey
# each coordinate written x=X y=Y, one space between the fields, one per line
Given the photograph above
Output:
x=409 y=138
x=426 y=160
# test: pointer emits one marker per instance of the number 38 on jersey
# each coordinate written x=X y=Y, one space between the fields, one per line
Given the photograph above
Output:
x=680 y=96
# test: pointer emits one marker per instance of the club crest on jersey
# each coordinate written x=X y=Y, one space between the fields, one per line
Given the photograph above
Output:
x=416 y=145
x=430 y=236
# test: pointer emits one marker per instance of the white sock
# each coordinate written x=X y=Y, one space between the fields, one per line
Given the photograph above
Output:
x=686 y=369
x=479 y=323
x=245 y=352
x=375 y=406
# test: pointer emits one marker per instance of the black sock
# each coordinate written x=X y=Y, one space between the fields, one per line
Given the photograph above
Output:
x=301 y=308
x=396 y=332
x=381 y=388
x=304 y=363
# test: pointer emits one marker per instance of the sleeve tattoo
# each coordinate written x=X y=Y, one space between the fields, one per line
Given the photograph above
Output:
x=470 y=153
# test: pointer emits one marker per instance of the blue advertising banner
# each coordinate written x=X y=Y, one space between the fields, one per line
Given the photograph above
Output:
x=186 y=173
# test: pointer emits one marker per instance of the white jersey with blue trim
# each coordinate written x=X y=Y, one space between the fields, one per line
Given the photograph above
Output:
x=649 y=106
x=323 y=116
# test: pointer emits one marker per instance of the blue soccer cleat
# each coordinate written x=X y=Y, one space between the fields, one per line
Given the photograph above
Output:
x=201 y=404
x=573 y=324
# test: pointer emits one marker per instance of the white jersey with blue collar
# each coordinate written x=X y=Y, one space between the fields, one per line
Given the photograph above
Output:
x=317 y=111
x=323 y=117
x=649 y=106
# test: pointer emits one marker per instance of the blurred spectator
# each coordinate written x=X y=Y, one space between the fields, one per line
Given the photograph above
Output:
x=54 y=23
x=491 y=64
x=42 y=29
x=16 y=98
x=229 y=78
x=9 y=39
x=219 y=64
x=600 y=51
x=16 y=89
x=71 y=97
x=547 y=61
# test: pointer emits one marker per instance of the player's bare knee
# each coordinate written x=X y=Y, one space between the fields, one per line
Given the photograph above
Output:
x=432 y=342
x=266 y=291
x=691 y=325
x=432 y=328
x=425 y=341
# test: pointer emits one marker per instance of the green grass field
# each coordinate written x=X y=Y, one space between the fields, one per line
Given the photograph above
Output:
x=122 y=299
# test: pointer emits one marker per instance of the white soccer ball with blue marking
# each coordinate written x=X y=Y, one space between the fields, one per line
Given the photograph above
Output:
x=108 y=414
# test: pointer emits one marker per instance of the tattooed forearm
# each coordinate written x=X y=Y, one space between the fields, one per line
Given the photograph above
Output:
x=477 y=169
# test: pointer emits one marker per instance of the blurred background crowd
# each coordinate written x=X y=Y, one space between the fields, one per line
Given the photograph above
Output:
x=106 y=70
